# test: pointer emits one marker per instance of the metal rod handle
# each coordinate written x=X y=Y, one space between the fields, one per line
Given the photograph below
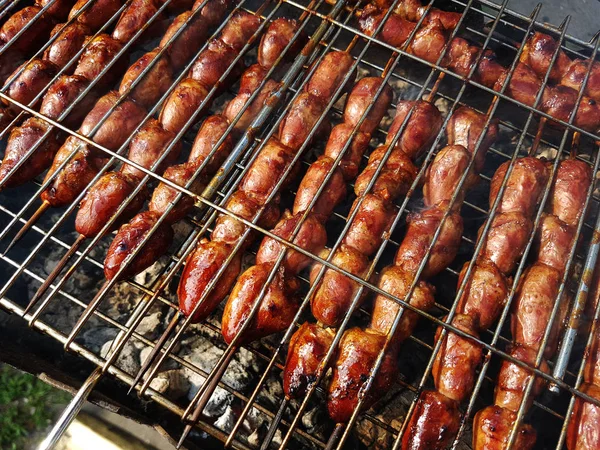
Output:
x=71 y=411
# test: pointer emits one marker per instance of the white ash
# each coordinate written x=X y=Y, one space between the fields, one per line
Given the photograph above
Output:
x=227 y=420
x=172 y=383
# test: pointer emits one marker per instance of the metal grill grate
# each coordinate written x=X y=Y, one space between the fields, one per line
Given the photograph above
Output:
x=333 y=28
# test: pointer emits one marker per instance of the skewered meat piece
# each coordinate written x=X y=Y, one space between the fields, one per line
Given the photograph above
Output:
x=277 y=37
x=67 y=44
x=97 y=55
x=524 y=186
x=307 y=348
x=397 y=282
x=95 y=14
x=494 y=425
x=35 y=34
x=133 y=19
x=454 y=368
x=418 y=238
x=154 y=83
x=277 y=308
x=62 y=94
x=513 y=379
x=20 y=141
x=133 y=232
x=358 y=352
x=434 y=422
x=32 y=79
x=485 y=293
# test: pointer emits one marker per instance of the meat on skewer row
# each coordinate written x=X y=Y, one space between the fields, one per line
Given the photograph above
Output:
x=583 y=431
x=279 y=306
x=330 y=300
x=535 y=299
x=358 y=348
x=557 y=101
x=114 y=117
x=276 y=155
x=100 y=52
x=436 y=417
x=36 y=33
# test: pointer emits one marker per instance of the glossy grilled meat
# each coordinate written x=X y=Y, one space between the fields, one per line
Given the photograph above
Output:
x=133 y=232
x=62 y=94
x=493 y=429
x=358 y=351
x=21 y=139
x=397 y=282
x=155 y=82
x=433 y=424
x=332 y=299
x=583 y=432
x=277 y=308
x=418 y=238
x=307 y=349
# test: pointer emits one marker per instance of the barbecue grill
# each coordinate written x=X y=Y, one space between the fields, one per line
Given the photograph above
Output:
x=233 y=393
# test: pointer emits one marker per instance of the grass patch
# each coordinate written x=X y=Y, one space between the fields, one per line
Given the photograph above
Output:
x=25 y=406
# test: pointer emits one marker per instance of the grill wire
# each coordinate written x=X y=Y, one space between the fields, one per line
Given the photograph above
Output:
x=505 y=32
